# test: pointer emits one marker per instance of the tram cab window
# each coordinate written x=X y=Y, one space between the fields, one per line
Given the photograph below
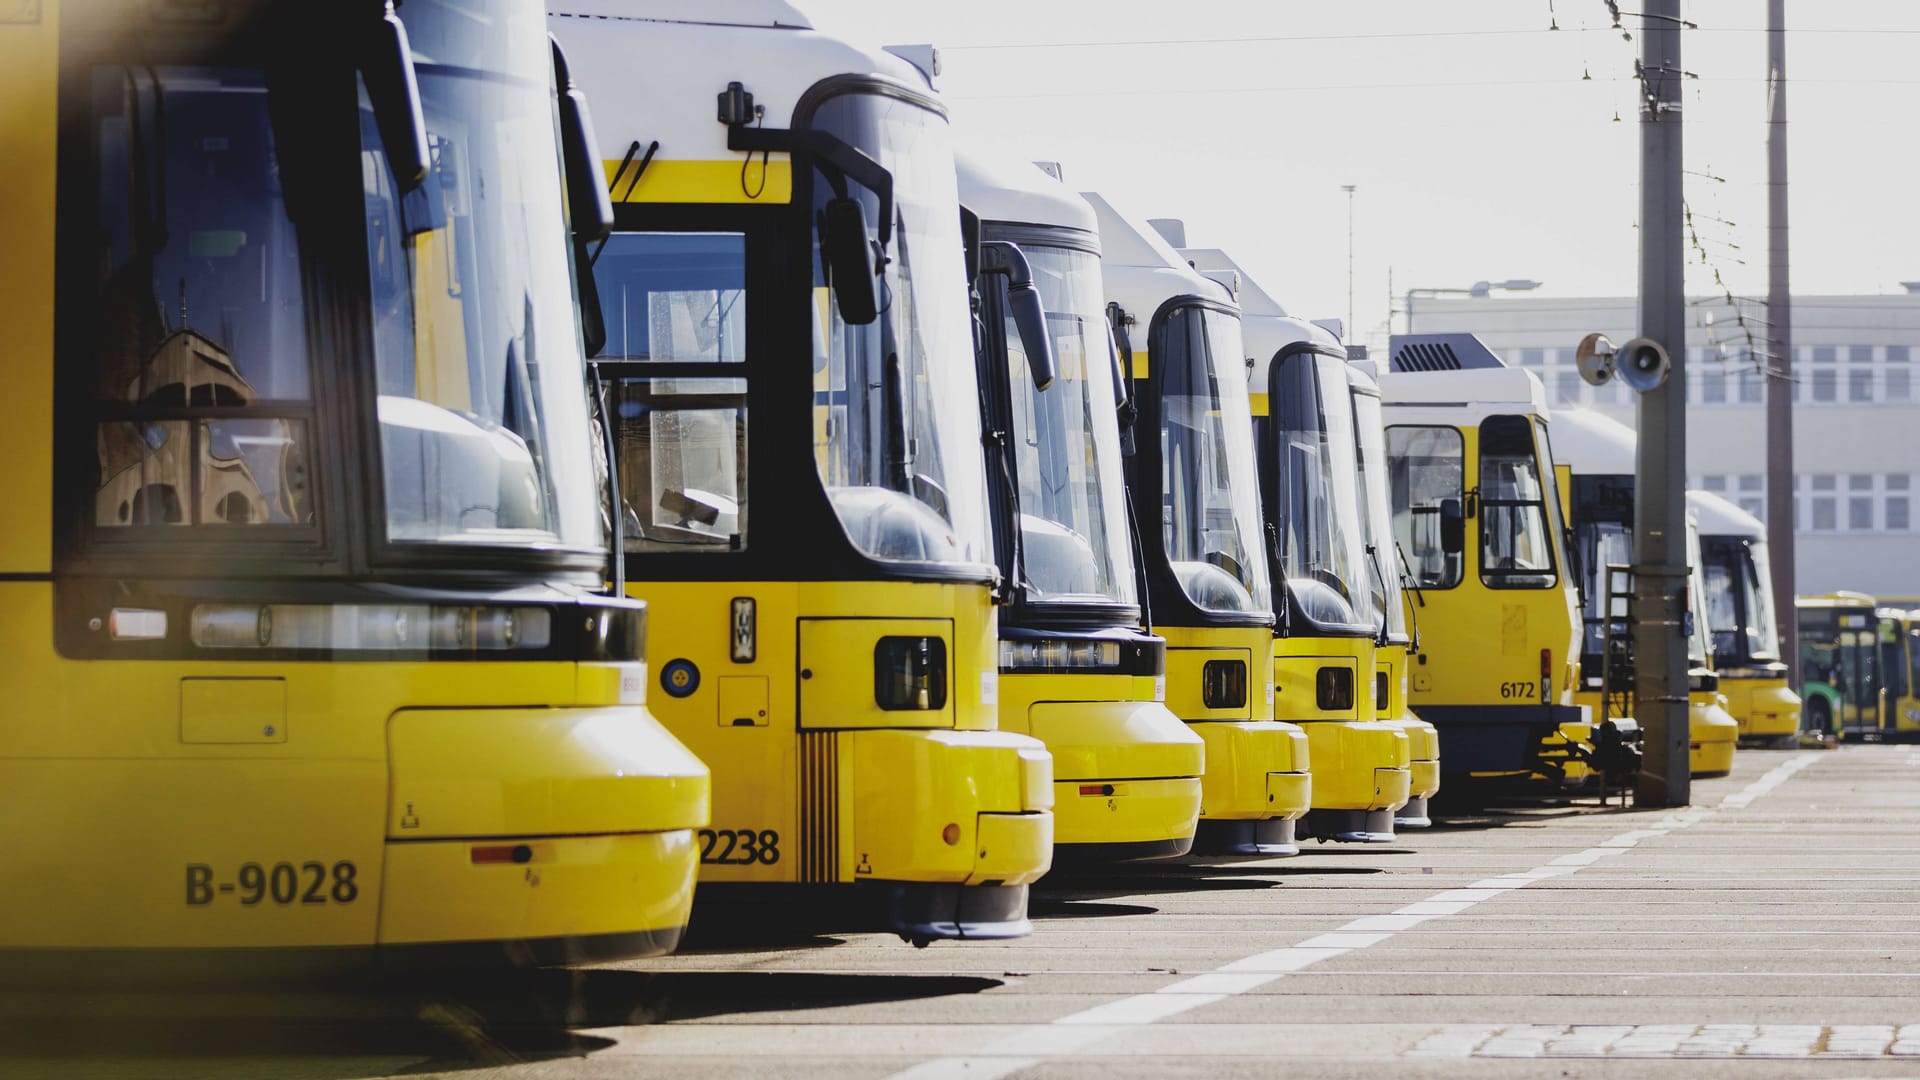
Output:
x=1516 y=548
x=1426 y=475
x=1315 y=479
x=476 y=351
x=1073 y=533
x=678 y=298
x=1209 y=514
x=1893 y=659
x=200 y=310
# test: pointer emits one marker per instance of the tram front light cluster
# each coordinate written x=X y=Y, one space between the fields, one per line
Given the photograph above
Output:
x=1223 y=684
x=1333 y=689
x=372 y=627
x=910 y=673
x=1028 y=657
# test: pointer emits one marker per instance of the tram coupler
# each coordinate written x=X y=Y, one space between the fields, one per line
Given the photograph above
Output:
x=1414 y=815
x=923 y=912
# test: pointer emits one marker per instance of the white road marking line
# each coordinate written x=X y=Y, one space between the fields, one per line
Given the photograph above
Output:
x=1072 y=1033
x=1671 y=1040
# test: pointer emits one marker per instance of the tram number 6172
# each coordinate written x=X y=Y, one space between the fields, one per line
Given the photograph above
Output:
x=739 y=847
x=1525 y=690
x=309 y=883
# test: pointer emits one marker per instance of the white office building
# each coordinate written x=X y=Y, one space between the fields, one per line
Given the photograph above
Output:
x=1856 y=416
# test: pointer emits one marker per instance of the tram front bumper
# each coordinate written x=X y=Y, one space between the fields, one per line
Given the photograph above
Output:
x=948 y=807
x=1127 y=779
x=1766 y=711
x=1364 y=765
x=537 y=836
x=1712 y=736
x=1255 y=770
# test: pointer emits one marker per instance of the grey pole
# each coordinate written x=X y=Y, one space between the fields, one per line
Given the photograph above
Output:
x=1660 y=496
x=1349 y=189
x=1778 y=361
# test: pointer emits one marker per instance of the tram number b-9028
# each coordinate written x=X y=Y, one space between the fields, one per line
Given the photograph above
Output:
x=283 y=883
x=1527 y=690
x=739 y=847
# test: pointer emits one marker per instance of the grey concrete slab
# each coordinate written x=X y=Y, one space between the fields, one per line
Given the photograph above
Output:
x=1770 y=937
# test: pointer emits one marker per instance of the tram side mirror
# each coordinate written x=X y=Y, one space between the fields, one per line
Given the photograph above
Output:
x=1023 y=303
x=1453 y=527
x=848 y=254
x=387 y=67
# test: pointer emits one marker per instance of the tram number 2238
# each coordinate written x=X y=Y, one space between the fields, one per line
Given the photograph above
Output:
x=281 y=883
x=1525 y=690
x=739 y=847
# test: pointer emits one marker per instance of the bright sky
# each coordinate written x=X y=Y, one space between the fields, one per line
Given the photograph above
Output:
x=1479 y=150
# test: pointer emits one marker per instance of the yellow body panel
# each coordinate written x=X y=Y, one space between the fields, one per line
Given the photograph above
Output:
x=366 y=756
x=29 y=57
x=1126 y=811
x=668 y=181
x=1358 y=764
x=1712 y=734
x=571 y=885
x=1763 y=708
x=1245 y=749
x=1423 y=739
x=1106 y=733
x=839 y=799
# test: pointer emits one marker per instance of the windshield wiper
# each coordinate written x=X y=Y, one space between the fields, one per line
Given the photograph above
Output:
x=1409 y=581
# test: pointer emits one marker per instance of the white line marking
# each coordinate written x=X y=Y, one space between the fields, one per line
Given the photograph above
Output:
x=1072 y=1033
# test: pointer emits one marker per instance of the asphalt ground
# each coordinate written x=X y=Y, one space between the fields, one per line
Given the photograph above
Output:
x=1770 y=930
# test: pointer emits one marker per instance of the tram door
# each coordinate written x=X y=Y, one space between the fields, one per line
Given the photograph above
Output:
x=1856 y=678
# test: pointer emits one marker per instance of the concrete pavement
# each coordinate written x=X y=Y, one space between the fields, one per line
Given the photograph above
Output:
x=1771 y=930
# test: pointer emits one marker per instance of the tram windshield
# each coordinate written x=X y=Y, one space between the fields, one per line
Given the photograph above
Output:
x=1316 y=510
x=1699 y=646
x=1066 y=443
x=1739 y=601
x=896 y=417
x=223 y=223
x=1516 y=548
x=1210 y=513
x=1383 y=564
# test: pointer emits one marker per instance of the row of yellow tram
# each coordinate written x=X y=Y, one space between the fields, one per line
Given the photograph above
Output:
x=442 y=533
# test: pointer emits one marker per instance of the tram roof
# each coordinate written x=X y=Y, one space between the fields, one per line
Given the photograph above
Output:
x=1476 y=392
x=1002 y=188
x=1593 y=444
x=652 y=68
x=1141 y=270
x=1253 y=299
x=1718 y=516
x=1843 y=598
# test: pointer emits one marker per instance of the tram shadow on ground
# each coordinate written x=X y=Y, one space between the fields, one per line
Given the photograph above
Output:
x=1080 y=892
x=381 y=1028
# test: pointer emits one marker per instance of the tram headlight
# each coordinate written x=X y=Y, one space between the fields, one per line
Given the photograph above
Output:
x=1056 y=655
x=910 y=673
x=416 y=628
x=1223 y=684
x=1333 y=689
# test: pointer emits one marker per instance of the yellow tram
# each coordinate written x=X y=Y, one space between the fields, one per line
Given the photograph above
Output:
x=1076 y=669
x=1741 y=617
x=1476 y=512
x=1598 y=453
x=1397 y=639
x=301 y=565
x=1312 y=507
x=1194 y=480
x=784 y=345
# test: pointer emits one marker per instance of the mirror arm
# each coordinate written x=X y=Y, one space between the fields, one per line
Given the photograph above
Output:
x=830 y=150
x=1023 y=303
